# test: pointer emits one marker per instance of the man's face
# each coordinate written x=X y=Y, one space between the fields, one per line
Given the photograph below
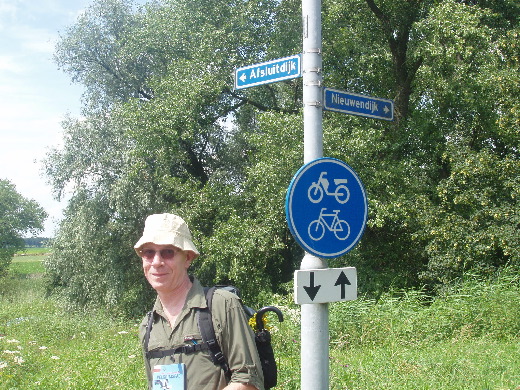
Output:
x=165 y=266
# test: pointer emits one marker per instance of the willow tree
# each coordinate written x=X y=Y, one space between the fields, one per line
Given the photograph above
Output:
x=156 y=134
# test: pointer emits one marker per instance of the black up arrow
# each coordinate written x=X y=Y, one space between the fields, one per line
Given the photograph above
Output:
x=342 y=280
x=312 y=290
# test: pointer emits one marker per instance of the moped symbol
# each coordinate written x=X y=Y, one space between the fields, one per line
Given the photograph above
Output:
x=318 y=188
x=339 y=227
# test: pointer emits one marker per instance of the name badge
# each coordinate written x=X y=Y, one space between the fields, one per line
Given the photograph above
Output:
x=169 y=377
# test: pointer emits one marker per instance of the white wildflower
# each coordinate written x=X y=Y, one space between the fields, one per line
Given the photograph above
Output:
x=19 y=360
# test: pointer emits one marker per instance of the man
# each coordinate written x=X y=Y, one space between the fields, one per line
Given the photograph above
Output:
x=167 y=250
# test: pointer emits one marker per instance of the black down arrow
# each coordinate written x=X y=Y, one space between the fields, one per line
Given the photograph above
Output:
x=312 y=290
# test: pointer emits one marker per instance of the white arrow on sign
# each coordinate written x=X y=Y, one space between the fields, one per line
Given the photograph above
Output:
x=325 y=285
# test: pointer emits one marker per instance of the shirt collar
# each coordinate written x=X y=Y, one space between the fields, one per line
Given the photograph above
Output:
x=195 y=298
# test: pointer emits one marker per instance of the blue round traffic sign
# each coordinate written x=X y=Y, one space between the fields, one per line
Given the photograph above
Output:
x=326 y=207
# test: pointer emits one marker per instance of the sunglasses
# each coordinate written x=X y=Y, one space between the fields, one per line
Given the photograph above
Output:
x=166 y=254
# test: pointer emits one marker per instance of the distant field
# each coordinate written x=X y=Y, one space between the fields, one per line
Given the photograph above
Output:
x=29 y=263
x=33 y=251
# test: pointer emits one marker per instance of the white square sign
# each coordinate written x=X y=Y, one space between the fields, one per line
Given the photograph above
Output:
x=325 y=285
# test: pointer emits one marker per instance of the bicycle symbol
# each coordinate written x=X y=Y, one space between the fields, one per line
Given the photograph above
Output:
x=340 y=227
x=318 y=188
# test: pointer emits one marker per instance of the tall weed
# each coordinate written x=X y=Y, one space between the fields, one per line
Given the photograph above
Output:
x=472 y=308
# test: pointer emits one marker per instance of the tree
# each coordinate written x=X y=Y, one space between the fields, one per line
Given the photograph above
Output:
x=97 y=52
x=442 y=62
x=133 y=156
x=441 y=179
x=18 y=215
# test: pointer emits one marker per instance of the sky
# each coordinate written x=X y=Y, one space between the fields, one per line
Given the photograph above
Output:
x=35 y=95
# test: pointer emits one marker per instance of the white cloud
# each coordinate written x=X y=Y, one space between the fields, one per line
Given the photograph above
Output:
x=7 y=10
x=8 y=64
x=37 y=40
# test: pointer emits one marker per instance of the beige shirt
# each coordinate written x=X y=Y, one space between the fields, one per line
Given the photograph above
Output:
x=233 y=333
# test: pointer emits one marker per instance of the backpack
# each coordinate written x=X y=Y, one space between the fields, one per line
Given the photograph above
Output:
x=205 y=323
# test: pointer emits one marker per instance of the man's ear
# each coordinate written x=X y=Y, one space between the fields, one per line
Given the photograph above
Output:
x=190 y=256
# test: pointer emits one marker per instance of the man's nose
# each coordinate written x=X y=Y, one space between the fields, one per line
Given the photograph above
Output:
x=157 y=259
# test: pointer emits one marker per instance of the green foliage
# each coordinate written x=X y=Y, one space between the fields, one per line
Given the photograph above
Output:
x=36 y=242
x=140 y=160
x=97 y=51
x=463 y=310
x=253 y=239
x=164 y=131
x=18 y=216
x=107 y=275
x=453 y=61
x=480 y=202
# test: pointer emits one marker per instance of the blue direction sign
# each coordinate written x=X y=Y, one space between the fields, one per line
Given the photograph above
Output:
x=326 y=207
x=352 y=103
x=268 y=72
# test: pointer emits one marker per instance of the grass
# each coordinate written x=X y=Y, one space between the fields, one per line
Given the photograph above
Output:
x=42 y=346
x=27 y=265
x=33 y=251
x=466 y=338
x=45 y=349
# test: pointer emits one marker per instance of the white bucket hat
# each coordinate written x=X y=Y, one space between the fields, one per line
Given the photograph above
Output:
x=166 y=229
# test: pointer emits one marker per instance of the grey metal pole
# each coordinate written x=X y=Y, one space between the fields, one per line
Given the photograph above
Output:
x=314 y=317
x=314 y=337
x=312 y=80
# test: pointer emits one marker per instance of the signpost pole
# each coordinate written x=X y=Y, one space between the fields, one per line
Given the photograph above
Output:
x=312 y=80
x=314 y=337
x=314 y=317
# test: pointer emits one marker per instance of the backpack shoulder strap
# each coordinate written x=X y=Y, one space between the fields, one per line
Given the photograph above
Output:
x=148 y=330
x=208 y=333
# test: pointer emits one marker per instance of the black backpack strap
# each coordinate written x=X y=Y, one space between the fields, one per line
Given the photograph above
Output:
x=208 y=333
x=148 y=330
x=169 y=352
